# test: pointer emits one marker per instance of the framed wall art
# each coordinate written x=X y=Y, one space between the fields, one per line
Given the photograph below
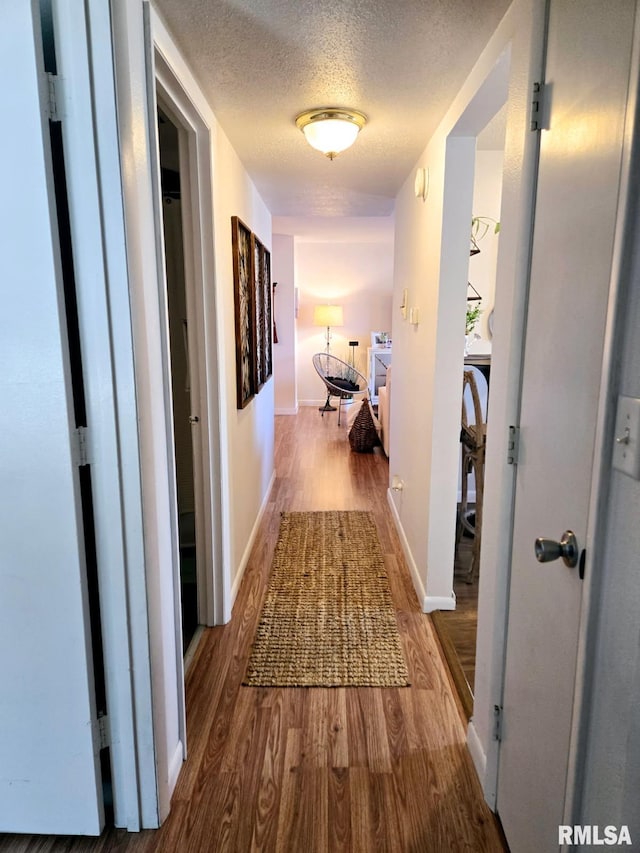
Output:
x=265 y=297
x=245 y=311
x=256 y=254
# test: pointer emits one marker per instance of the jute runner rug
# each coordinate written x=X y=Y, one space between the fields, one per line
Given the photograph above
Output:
x=328 y=619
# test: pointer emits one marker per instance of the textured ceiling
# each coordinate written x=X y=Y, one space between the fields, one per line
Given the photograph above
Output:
x=261 y=62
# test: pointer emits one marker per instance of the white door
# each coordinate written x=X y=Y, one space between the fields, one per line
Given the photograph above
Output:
x=50 y=774
x=587 y=73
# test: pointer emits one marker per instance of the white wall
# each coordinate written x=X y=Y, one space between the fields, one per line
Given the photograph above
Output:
x=430 y=248
x=250 y=436
x=347 y=262
x=487 y=196
x=284 y=352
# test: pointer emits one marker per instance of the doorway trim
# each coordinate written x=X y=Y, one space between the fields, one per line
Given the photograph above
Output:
x=165 y=90
x=195 y=143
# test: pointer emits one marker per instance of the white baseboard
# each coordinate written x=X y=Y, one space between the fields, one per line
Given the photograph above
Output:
x=247 y=551
x=175 y=766
x=478 y=754
x=415 y=576
x=429 y=603
x=439 y=602
x=290 y=411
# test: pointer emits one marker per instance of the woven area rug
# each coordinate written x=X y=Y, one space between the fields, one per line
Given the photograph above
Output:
x=328 y=619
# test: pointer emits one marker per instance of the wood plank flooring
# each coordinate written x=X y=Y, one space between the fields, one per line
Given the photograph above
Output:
x=312 y=769
x=457 y=630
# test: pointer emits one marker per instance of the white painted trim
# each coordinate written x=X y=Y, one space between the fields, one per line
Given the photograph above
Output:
x=438 y=602
x=132 y=51
x=210 y=533
x=287 y=411
x=406 y=550
x=474 y=745
x=247 y=551
x=180 y=86
x=94 y=180
x=175 y=764
x=163 y=311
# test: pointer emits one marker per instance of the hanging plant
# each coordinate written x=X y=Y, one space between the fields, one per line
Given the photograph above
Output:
x=473 y=316
x=480 y=226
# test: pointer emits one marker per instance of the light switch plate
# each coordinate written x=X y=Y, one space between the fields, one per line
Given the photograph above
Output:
x=626 y=454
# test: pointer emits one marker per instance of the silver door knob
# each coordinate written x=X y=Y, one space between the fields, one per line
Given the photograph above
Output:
x=567 y=548
x=194 y=419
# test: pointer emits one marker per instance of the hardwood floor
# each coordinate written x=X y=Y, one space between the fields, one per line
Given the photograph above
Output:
x=313 y=769
x=457 y=630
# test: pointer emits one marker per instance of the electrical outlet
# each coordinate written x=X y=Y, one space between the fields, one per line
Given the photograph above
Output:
x=626 y=456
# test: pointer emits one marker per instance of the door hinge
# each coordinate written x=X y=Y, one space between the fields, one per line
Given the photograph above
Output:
x=497 y=723
x=513 y=445
x=103 y=731
x=537 y=105
x=52 y=104
x=81 y=446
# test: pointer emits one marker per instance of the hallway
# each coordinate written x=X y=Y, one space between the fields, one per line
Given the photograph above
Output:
x=306 y=770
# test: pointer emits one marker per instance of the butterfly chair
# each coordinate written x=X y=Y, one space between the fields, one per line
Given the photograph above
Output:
x=341 y=380
x=473 y=436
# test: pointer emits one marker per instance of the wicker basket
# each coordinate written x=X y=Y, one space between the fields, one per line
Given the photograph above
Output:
x=363 y=435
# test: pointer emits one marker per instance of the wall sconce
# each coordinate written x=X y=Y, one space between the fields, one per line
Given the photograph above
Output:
x=331 y=130
x=328 y=315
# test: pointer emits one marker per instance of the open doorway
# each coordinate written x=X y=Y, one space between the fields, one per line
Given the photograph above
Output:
x=183 y=419
x=457 y=629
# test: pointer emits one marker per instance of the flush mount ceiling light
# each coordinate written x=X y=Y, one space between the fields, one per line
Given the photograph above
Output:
x=331 y=130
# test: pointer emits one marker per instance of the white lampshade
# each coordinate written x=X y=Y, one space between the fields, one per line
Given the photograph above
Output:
x=330 y=130
x=328 y=315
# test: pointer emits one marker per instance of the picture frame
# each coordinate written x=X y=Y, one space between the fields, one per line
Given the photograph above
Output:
x=244 y=304
x=267 y=300
x=379 y=339
x=258 y=366
x=263 y=312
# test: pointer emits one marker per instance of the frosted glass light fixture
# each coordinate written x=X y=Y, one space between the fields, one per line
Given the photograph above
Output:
x=331 y=130
x=328 y=316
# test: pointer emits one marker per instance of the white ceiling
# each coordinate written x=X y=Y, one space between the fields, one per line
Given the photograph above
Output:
x=261 y=62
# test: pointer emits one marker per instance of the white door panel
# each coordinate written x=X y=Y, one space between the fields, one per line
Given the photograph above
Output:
x=587 y=77
x=49 y=768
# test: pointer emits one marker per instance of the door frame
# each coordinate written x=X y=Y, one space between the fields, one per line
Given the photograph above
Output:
x=172 y=90
x=85 y=63
x=197 y=216
x=165 y=89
